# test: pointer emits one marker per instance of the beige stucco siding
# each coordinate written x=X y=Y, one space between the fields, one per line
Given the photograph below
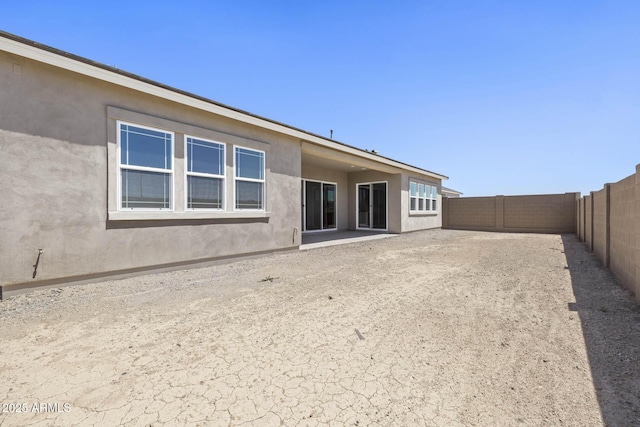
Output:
x=60 y=177
x=55 y=174
x=422 y=220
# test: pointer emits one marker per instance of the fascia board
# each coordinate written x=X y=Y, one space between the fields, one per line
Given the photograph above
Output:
x=71 y=64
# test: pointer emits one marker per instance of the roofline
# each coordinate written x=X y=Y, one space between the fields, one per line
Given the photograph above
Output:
x=450 y=190
x=58 y=58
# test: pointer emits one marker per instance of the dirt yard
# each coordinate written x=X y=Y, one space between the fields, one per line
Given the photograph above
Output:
x=436 y=328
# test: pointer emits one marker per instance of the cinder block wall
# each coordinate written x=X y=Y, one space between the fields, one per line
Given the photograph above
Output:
x=547 y=213
x=600 y=224
x=611 y=222
x=554 y=212
x=470 y=212
x=588 y=227
x=581 y=219
x=623 y=236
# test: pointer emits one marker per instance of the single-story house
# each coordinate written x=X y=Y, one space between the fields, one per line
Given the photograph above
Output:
x=106 y=174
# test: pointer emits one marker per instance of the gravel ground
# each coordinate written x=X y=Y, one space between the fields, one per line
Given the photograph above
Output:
x=434 y=328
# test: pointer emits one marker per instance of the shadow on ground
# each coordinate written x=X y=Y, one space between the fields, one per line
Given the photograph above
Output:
x=309 y=238
x=610 y=320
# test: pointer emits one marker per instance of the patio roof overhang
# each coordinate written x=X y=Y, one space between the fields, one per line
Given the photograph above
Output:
x=326 y=158
x=355 y=160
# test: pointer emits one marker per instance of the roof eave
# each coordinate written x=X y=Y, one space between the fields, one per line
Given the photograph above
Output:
x=61 y=59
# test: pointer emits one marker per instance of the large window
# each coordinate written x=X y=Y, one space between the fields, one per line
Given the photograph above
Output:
x=249 y=179
x=145 y=167
x=205 y=174
x=163 y=169
x=422 y=197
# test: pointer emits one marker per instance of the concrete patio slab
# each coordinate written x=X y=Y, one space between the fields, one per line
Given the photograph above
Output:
x=332 y=238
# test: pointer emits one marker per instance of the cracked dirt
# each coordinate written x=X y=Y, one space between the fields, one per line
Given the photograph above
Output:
x=460 y=329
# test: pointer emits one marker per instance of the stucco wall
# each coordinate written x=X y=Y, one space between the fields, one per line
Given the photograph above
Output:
x=342 y=187
x=423 y=220
x=54 y=178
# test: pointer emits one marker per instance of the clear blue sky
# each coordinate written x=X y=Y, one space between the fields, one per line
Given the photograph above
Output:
x=521 y=97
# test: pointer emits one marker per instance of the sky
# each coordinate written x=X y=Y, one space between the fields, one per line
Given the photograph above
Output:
x=503 y=97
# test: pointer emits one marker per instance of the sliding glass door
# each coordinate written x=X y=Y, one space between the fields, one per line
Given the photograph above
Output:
x=372 y=206
x=379 y=205
x=313 y=204
x=319 y=210
x=329 y=206
x=364 y=206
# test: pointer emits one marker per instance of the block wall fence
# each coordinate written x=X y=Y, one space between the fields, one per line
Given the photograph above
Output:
x=546 y=213
x=608 y=221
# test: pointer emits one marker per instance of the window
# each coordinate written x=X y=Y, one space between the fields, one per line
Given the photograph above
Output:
x=413 y=195
x=422 y=197
x=145 y=167
x=205 y=174
x=249 y=179
x=434 y=198
x=160 y=169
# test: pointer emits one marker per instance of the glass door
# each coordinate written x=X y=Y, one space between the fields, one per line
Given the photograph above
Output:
x=364 y=213
x=372 y=206
x=313 y=204
x=319 y=206
x=379 y=206
x=328 y=206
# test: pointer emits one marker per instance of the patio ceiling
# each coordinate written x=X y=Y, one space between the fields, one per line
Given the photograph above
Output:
x=322 y=157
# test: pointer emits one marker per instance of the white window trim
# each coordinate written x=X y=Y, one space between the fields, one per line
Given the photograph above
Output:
x=304 y=198
x=432 y=199
x=187 y=174
x=371 y=213
x=178 y=210
x=120 y=167
x=411 y=198
x=427 y=199
x=263 y=180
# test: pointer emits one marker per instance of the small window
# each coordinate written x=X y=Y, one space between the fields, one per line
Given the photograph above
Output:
x=421 y=196
x=145 y=167
x=205 y=174
x=249 y=179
